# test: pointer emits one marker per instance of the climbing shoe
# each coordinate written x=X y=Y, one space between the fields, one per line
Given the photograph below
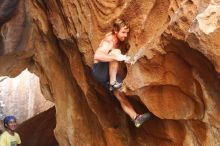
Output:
x=116 y=85
x=140 y=119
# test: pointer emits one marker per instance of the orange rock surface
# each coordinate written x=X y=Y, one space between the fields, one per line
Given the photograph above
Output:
x=176 y=76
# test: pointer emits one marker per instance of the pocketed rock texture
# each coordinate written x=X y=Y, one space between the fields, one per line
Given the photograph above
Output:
x=176 y=76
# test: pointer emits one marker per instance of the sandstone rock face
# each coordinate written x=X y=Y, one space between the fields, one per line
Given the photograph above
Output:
x=175 y=77
x=21 y=96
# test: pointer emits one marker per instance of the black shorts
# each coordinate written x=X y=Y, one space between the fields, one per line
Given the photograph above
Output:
x=100 y=71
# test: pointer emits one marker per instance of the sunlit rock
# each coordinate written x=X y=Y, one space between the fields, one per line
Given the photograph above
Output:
x=21 y=96
x=175 y=76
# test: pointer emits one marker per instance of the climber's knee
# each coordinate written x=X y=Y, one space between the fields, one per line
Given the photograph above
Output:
x=115 y=52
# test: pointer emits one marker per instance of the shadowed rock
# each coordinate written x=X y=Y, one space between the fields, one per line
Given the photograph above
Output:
x=7 y=10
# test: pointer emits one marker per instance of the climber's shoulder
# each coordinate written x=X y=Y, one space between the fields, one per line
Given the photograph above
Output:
x=108 y=37
x=106 y=42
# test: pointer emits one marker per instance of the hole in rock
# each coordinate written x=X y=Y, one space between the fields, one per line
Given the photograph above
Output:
x=21 y=96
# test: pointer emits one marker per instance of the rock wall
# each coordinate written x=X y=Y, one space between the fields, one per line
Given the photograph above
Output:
x=176 y=76
x=38 y=131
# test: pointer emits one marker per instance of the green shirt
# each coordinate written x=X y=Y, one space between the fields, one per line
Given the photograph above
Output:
x=7 y=139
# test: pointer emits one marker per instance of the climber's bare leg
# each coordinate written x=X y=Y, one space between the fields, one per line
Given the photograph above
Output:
x=113 y=66
x=125 y=104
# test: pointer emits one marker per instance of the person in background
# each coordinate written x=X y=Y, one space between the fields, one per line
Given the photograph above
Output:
x=9 y=137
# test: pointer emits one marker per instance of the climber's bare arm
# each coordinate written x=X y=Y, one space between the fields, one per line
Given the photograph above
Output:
x=101 y=54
